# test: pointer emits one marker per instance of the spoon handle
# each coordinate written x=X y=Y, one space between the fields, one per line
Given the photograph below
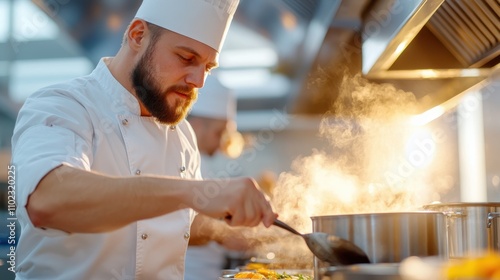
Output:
x=282 y=225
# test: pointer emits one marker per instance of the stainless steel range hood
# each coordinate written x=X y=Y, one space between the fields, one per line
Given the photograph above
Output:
x=434 y=48
x=466 y=32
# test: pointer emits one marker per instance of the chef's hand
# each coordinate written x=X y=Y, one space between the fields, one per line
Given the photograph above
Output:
x=238 y=200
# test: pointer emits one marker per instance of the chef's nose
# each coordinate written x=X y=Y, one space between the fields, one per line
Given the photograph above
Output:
x=196 y=77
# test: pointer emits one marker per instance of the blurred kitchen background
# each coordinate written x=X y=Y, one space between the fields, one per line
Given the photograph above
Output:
x=294 y=65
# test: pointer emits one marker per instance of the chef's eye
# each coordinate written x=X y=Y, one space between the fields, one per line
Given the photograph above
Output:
x=186 y=59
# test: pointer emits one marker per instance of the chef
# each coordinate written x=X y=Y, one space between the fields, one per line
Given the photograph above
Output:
x=108 y=170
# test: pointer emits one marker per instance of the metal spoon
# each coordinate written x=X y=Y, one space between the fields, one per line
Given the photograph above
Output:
x=329 y=248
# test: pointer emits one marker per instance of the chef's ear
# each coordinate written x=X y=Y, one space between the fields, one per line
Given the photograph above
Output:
x=135 y=34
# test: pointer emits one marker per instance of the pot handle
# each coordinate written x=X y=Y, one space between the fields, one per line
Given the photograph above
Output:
x=492 y=216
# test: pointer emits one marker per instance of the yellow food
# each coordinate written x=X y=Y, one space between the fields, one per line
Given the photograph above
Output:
x=486 y=267
x=249 y=275
x=263 y=273
x=255 y=266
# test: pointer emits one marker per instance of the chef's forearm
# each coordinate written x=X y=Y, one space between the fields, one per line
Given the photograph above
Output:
x=75 y=200
x=202 y=230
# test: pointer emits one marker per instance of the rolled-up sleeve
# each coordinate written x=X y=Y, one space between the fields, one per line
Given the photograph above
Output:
x=52 y=129
x=43 y=148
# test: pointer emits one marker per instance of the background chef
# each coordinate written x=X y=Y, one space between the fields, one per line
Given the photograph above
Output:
x=213 y=120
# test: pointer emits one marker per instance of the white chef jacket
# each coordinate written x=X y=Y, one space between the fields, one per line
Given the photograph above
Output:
x=205 y=261
x=94 y=123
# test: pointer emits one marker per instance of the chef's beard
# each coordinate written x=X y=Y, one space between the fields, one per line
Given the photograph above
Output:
x=149 y=92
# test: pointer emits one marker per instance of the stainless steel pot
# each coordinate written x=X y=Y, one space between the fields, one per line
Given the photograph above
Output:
x=387 y=237
x=472 y=228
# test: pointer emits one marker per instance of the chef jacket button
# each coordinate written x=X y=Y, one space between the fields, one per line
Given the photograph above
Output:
x=144 y=236
x=186 y=235
x=138 y=172
x=183 y=168
x=172 y=127
x=124 y=121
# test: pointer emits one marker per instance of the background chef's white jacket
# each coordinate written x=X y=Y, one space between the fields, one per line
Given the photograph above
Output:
x=94 y=123
x=205 y=261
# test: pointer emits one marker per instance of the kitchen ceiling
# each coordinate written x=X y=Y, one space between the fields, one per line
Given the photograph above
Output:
x=433 y=48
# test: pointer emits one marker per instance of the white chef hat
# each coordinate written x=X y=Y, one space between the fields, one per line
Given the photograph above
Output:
x=206 y=21
x=215 y=101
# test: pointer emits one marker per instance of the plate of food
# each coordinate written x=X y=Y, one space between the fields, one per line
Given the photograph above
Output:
x=270 y=274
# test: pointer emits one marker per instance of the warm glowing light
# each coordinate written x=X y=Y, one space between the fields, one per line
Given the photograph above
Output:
x=472 y=72
x=429 y=73
x=420 y=149
x=288 y=20
x=371 y=188
x=114 y=22
x=401 y=47
x=376 y=161
x=270 y=256
x=471 y=149
x=232 y=144
x=427 y=116
x=331 y=182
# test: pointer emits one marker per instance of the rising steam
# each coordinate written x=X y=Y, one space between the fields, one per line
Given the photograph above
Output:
x=375 y=161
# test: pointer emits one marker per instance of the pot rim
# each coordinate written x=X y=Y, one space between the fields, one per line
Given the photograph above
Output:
x=462 y=204
x=419 y=212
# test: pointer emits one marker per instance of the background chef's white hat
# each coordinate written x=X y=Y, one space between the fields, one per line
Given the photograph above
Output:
x=215 y=101
x=206 y=21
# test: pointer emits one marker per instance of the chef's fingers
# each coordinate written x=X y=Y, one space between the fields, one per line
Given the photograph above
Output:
x=255 y=216
x=262 y=210
x=237 y=216
x=265 y=212
x=268 y=215
x=249 y=213
x=250 y=210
